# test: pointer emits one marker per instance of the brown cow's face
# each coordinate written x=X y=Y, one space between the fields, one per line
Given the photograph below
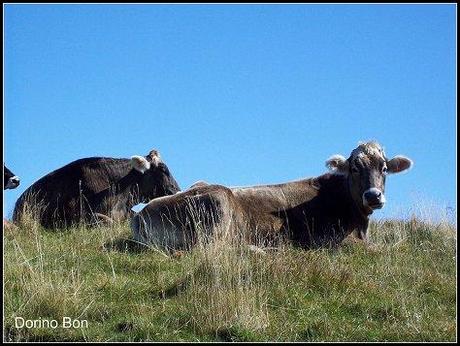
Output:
x=366 y=169
x=157 y=180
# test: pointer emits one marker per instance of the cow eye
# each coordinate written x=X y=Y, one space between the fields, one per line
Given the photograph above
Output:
x=384 y=169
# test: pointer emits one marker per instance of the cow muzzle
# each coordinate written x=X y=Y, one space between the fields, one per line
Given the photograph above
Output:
x=373 y=198
x=13 y=182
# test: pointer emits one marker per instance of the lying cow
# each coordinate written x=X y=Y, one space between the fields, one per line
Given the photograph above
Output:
x=313 y=212
x=10 y=180
x=95 y=189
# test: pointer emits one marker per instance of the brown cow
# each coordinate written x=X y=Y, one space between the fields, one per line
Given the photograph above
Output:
x=312 y=212
x=96 y=188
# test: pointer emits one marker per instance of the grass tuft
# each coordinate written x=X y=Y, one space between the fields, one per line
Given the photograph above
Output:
x=402 y=289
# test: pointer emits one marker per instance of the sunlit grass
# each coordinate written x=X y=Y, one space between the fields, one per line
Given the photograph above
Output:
x=402 y=289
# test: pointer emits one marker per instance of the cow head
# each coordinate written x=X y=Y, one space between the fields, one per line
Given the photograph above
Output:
x=366 y=170
x=10 y=181
x=156 y=179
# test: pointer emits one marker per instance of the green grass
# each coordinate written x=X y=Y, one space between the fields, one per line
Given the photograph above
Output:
x=403 y=289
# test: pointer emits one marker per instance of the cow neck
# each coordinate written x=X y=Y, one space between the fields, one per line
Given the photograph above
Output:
x=125 y=182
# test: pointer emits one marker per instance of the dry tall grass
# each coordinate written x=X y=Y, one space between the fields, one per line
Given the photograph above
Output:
x=402 y=289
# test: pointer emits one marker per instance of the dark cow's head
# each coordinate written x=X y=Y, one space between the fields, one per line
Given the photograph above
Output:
x=366 y=169
x=156 y=181
x=10 y=181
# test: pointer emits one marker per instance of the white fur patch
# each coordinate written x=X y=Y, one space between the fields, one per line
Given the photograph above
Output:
x=336 y=164
x=140 y=163
x=12 y=183
x=334 y=161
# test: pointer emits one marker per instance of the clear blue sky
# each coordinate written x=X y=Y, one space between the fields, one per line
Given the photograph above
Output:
x=233 y=94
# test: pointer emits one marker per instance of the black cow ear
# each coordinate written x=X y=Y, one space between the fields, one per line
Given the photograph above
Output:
x=154 y=157
x=140 y=163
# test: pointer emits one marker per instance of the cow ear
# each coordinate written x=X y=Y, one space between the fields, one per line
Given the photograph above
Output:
x=398 y=164
x=337 y=164
x=154 y=157
x=140 y=163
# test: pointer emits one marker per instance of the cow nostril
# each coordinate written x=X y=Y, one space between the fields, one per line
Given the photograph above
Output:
x=373 y=195
x=374 y=198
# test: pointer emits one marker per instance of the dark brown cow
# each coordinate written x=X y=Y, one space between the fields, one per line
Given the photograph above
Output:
x=313 y=212
x=10 y=180
x=95 y=188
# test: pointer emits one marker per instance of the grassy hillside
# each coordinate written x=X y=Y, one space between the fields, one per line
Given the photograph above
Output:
x=402 y=289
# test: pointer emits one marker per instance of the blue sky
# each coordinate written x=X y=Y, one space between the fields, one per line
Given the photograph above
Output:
x=234 y=94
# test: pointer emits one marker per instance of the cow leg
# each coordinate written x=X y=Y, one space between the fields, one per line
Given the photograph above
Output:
x=362 y=235
x=181 y=223
x=158 y=229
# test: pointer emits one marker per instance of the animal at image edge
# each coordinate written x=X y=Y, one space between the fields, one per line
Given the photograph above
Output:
x=10 y=180
x=313 y=212
x=96 y=189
